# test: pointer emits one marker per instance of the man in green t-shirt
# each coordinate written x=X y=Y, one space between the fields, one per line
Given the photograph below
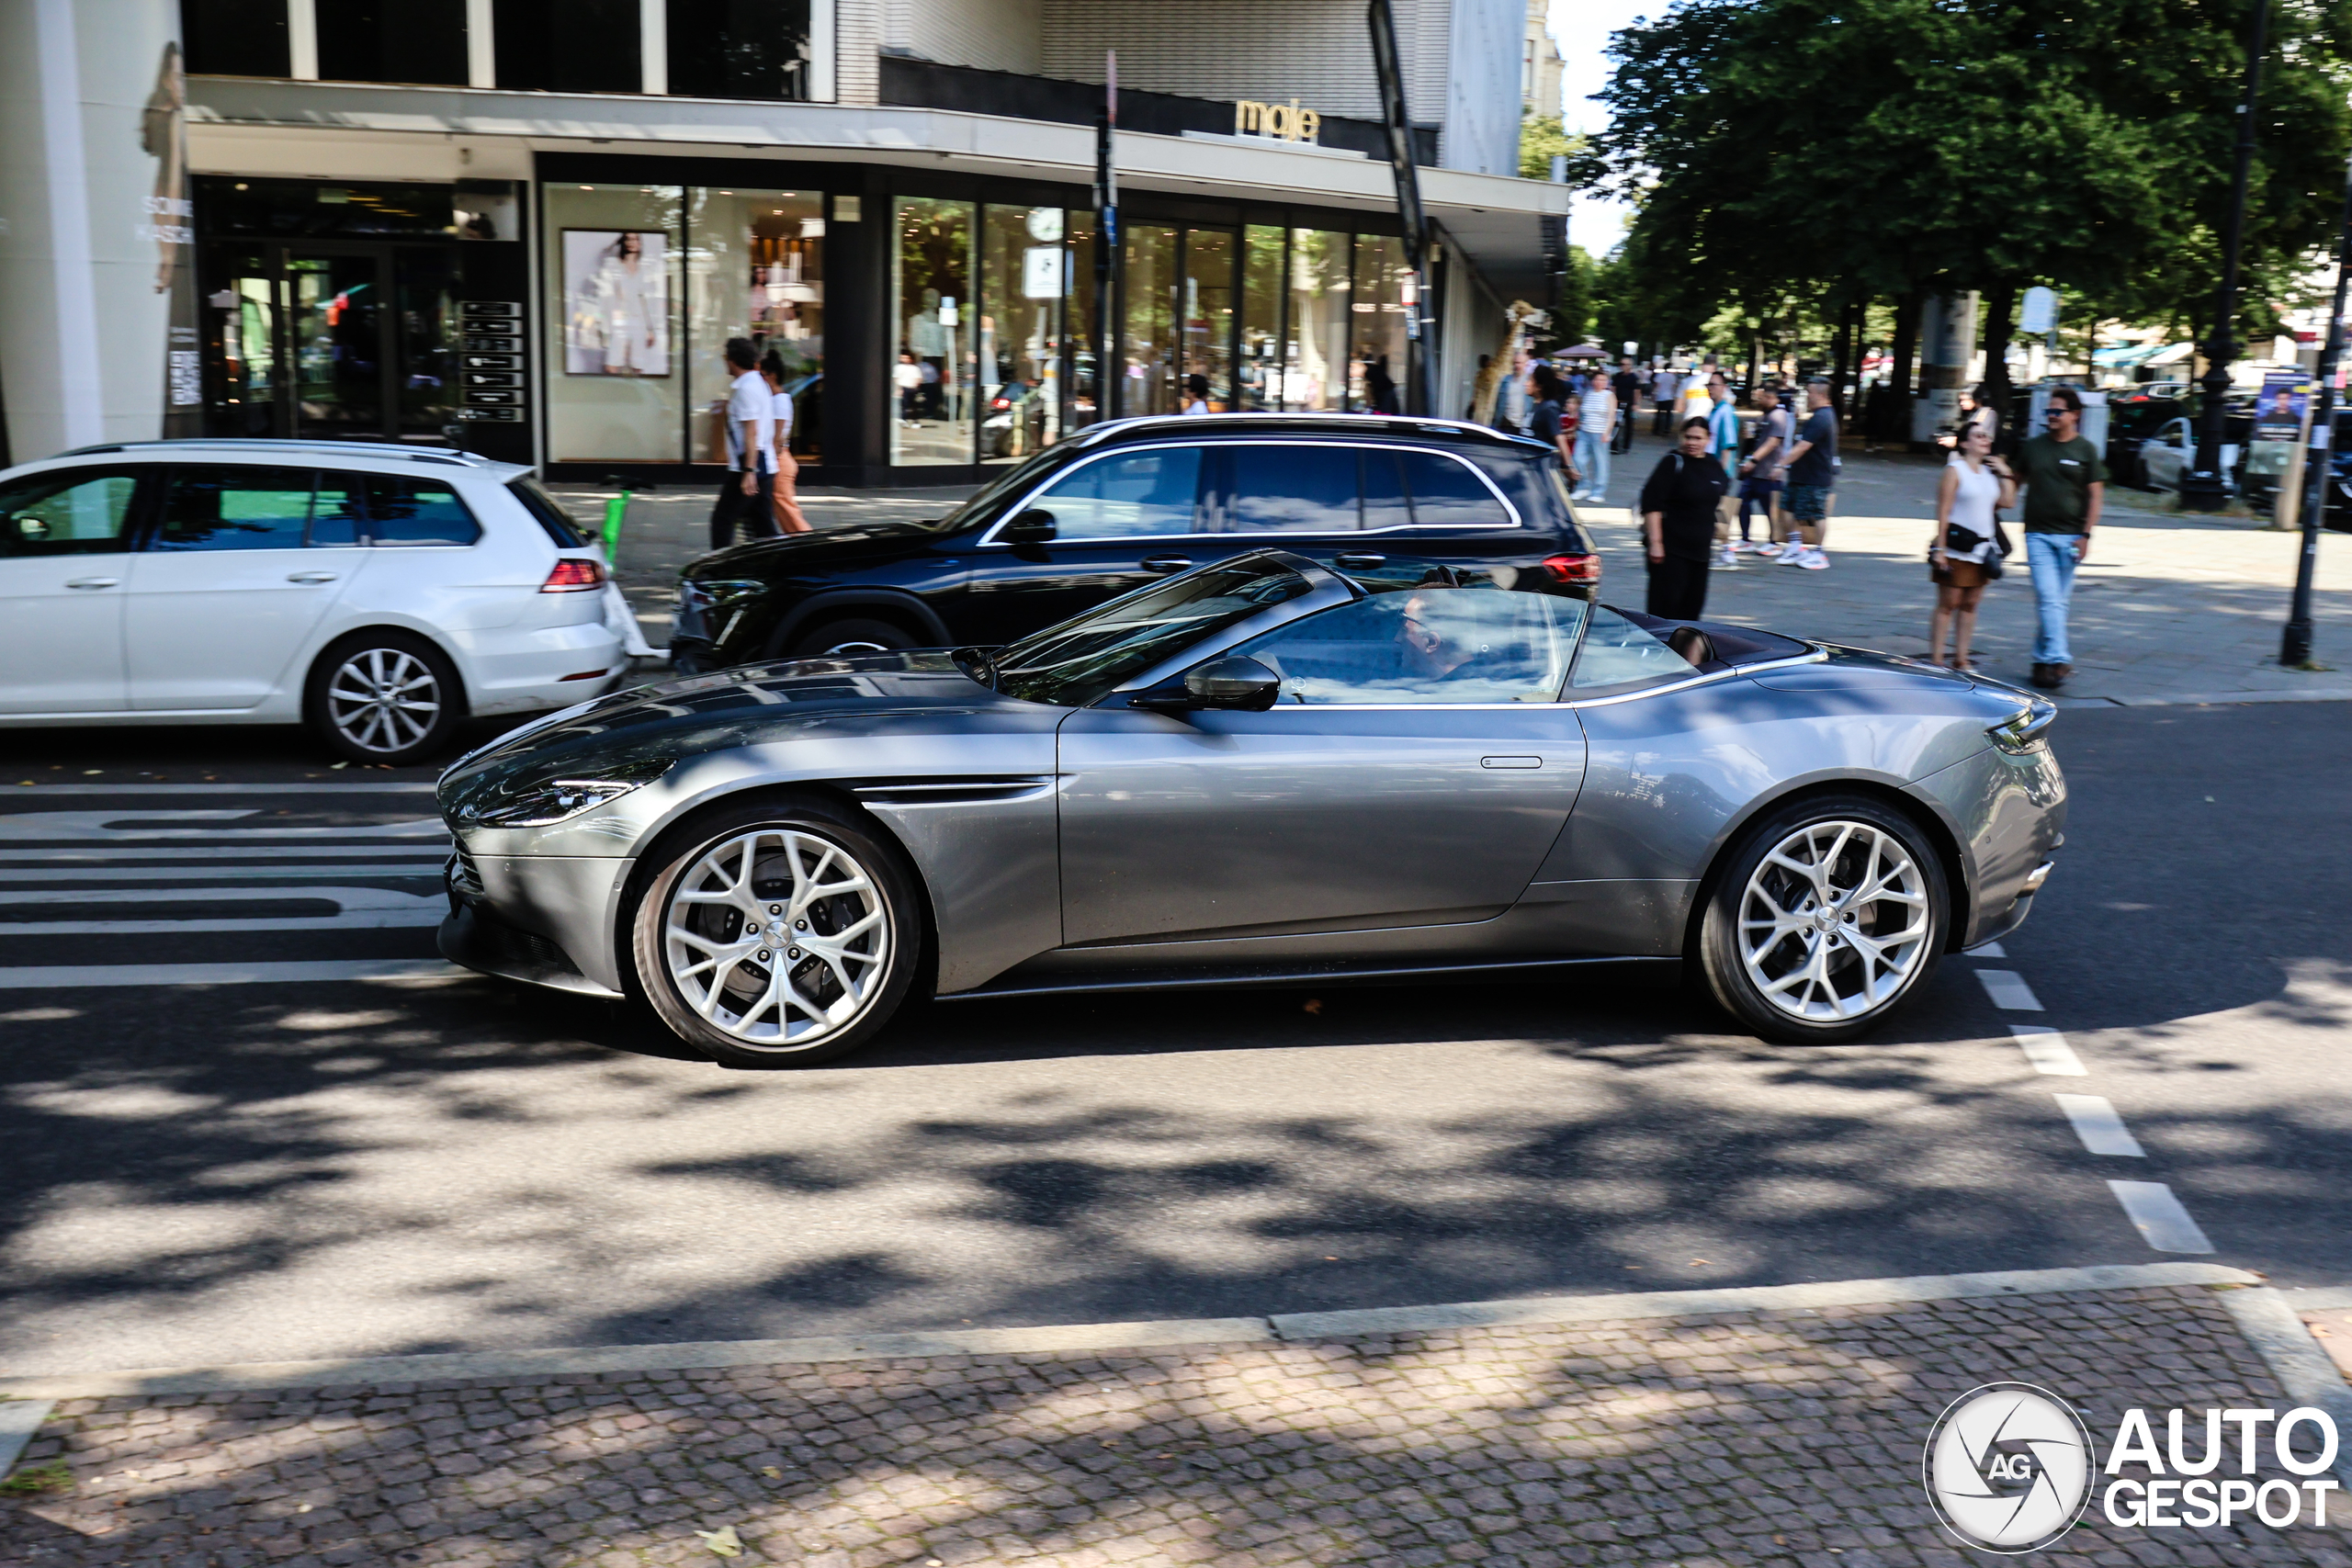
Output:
x=2065 y=486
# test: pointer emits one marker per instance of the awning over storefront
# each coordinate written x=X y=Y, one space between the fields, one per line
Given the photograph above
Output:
x=301 y=129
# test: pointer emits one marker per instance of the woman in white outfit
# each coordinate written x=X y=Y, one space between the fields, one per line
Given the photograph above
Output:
x=1975 y=484
x=631 y=294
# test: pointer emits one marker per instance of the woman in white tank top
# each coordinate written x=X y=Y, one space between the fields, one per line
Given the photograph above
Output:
x=783 y=498
x=1975 y=483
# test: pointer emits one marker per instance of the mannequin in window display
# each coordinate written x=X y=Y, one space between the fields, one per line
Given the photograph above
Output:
x=928 y=337
x=629 y=305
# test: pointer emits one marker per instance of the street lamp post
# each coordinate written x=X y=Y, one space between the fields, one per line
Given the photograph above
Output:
x=2295 y=647
x=2205 y=488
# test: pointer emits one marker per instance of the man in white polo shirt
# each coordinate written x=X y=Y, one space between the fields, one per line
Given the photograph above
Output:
x=750 y=463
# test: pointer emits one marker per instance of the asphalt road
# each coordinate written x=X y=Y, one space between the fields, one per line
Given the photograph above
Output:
x=308 y=1167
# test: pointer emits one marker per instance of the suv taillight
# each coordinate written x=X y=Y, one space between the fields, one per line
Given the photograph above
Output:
x=1572 y=569
x=579 y=574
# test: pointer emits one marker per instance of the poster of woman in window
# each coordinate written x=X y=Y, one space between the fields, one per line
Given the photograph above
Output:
x=616 y=302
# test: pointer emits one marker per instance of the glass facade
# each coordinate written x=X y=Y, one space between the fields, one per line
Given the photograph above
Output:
x=1316 y=340
x=932 y=375
x=755 y=269
x=1023 y=307
x=614 y=392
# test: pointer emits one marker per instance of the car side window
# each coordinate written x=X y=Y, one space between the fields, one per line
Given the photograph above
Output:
x=337 y=514
x=66 y=511
x=225 y=508
x=1127 y=495
x=1446 y=494
x=1620 y=655
x=417 y=511
x=1292 y=490
x=1424 y=647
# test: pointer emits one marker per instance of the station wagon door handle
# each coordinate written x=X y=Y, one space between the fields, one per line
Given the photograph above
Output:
x=1510 y=762
x=310 y=577
x=1352 y=562
x=92 y=582
x=1167 y=563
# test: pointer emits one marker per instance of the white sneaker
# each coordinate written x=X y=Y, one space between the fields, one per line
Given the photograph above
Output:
x=1769 y=550
x=1730 y=556
x=1793 y=555
x=1814 y=560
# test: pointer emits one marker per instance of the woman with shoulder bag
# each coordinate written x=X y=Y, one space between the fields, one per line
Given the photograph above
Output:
x=1964 y=554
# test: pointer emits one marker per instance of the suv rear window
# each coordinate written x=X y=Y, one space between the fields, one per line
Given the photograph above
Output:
x=548 y=512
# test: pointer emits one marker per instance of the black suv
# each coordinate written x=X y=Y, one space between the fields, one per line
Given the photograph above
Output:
x=1384 y=500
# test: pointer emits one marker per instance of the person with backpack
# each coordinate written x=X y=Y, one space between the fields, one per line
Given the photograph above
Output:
x=1678 y=508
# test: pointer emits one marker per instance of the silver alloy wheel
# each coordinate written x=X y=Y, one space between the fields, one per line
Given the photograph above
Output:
x=777 y=937
x=1834 y=923
x=383 y=699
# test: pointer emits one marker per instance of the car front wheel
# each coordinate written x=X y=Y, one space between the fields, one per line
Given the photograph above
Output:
x=777 y=934
x=1828 y=915
x=384 y=697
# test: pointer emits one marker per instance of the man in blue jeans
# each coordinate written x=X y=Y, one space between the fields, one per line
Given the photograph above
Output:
x=2065 y=486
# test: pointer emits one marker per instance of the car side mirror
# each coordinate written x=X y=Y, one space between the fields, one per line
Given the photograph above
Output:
x=1035 y=526
x=1234 y=683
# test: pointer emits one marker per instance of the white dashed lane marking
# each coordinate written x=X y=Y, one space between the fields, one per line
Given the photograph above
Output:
x=2048 y=1051
x=2100 y=1129
x=2161 y=1221
x=2008 y=990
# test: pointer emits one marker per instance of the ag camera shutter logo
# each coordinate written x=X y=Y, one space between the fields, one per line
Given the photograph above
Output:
x=2009 y=1468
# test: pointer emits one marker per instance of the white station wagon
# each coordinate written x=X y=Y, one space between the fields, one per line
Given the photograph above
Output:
x=377 y=593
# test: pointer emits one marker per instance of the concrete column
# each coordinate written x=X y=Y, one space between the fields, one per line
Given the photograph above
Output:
x=95 y=237
x=1947 y=344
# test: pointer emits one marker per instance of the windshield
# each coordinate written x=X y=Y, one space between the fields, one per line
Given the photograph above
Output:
x=1010 y=481
x=1081 y=660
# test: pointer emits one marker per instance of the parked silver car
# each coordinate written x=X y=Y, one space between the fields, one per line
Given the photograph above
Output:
x=1256 y=772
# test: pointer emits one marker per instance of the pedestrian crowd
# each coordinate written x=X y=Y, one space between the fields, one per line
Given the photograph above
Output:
x=1700 y=507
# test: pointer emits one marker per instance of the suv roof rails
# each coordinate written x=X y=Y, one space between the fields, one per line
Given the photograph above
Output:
x=1394 y=424
x=447 y=456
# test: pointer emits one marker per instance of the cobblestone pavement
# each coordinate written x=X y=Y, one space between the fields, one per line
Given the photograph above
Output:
x=1779 y=1438
x=2169 y=607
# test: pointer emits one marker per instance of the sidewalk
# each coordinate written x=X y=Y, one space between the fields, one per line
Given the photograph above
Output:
x=2167 y=609
x=1778 y=1427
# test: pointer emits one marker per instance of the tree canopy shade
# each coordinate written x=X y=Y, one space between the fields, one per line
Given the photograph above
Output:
x=1842 y=149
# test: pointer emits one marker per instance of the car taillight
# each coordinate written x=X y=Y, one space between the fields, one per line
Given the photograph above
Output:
x=574 y=574
x=1572 y=569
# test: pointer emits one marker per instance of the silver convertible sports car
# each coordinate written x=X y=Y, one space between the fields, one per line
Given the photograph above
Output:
x=1258 y=773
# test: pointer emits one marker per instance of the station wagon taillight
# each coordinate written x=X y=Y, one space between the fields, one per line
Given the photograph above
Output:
x=1572 y=569
x=579 y=575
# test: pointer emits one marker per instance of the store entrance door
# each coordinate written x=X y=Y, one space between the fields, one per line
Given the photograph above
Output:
x=348 y=341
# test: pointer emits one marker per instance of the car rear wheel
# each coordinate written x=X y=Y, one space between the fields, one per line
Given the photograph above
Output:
x=850 y=637
x=384 y=697
x=778 y=934
x=1828 y=915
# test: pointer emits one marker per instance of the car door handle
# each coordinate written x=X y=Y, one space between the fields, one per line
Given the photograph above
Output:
x=1353 y=562
x=1510 y=762
x=1167 y=563
x=310 y=577
x=92 y=582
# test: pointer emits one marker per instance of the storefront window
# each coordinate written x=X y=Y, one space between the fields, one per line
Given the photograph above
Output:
x=755 y=269
x=930 y=287
x=1380 y=349
x=1262 y=318
x=1315 y=358
x=1025 y=269
x=1148 y=341
x=243 y=399
x=1082 y=407
x=616 y=391
x=1206 y=317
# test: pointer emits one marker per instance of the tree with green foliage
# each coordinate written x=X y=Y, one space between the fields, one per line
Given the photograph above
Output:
x=1831 y=151
x=1543 y=137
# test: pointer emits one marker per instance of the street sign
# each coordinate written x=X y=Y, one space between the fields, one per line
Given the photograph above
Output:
x=2040 y=312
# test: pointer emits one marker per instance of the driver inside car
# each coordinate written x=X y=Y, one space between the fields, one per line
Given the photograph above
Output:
x=1438 y=642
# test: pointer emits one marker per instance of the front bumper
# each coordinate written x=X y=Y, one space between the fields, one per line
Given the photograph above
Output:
x=476 y=936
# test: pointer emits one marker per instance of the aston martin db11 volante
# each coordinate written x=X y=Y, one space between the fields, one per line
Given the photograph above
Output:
x=1262 y=771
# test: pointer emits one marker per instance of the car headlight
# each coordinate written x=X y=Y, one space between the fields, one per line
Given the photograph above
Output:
x=2026 y=731
x=545 y=803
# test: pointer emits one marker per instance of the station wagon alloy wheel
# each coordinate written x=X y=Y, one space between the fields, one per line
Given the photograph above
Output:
x=1833 y=922
x=1826 y=916
x=778 y=939
x=383 y=699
